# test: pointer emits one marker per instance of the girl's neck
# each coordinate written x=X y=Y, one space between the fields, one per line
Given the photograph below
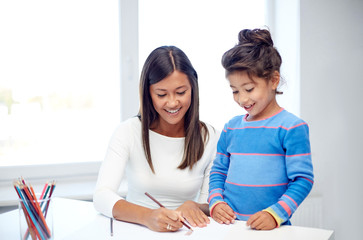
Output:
x=270 y=111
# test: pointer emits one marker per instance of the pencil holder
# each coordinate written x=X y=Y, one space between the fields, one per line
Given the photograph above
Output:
x=36 y=219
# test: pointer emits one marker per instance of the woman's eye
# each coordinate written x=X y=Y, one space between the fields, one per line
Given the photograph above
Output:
x=235 y=92
x=161 y=95
x=181 y=93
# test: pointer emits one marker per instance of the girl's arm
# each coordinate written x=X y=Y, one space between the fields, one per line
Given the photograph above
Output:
x=299 y=170
x=218 y=173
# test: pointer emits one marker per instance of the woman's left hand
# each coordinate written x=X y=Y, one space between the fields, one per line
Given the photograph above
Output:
x=193 y=214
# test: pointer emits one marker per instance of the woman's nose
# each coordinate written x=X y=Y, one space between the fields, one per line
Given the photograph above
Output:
x=173 y=102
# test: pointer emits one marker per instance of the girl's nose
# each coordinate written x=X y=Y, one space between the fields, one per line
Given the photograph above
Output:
x=242 y=100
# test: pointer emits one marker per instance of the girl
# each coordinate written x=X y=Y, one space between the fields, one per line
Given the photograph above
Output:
x=165 y=150
x=263 y=169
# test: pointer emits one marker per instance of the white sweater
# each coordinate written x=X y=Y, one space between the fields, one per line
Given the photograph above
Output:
x=169 y=185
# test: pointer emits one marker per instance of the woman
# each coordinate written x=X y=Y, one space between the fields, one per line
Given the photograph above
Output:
x=166 y=150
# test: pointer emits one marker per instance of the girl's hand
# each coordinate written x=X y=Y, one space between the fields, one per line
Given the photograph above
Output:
x=222 y=213
x=164 y=220
x=191 y=212
x=262 y=221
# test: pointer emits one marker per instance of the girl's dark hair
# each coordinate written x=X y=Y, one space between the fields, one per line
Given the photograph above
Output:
x=255 y=53
x=161 y=63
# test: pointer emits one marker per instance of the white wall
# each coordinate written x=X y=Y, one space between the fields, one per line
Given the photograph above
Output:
x=331 y=96
x=283 y=20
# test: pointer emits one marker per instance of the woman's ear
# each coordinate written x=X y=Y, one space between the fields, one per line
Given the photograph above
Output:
x=275 y=79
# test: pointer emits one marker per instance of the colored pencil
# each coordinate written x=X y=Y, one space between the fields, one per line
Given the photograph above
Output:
x=27 y=207
x=31 y=226
x=32 y=209
x=161 y=205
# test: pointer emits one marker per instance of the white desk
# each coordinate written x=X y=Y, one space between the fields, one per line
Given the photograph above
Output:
x=75 y=219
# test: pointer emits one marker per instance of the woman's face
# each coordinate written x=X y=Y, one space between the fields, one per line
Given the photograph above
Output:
x=171 y=98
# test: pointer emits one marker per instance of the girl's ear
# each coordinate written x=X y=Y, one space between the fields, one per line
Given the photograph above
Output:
x=275 y=79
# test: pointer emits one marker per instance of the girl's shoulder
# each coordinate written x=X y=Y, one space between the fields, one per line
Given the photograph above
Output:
x=235 y=121
x=288 y=119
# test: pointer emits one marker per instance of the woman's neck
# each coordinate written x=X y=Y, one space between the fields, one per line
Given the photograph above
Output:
x=169 y=130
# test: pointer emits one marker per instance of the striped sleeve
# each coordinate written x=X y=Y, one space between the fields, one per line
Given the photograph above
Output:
x=218 y=174
x=299 y=171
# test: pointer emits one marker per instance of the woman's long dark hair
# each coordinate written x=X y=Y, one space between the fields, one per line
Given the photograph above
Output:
x=161 y=63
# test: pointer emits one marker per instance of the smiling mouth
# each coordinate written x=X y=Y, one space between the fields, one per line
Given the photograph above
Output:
x=248 y=107
x=173 y=111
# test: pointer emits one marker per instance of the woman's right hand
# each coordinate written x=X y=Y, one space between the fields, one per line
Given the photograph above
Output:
x=164 y=220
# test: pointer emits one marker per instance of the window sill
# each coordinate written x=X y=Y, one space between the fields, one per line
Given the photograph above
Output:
x=76 y=180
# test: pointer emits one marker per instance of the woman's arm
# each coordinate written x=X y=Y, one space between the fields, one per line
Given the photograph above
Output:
x=106 y=199
x=155 y=219
x=112 y=170
x=195 y=213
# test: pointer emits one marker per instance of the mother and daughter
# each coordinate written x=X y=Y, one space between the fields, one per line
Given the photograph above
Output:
x=257 y=169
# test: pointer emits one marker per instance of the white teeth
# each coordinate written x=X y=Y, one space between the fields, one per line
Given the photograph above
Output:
x=173 y=111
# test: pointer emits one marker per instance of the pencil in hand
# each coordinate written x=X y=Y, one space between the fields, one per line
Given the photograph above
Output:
x=161 y=205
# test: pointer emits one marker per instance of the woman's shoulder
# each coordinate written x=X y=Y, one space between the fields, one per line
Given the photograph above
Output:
x=130 y=126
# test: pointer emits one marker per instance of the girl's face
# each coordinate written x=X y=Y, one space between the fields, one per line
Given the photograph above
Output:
x=256 y=95
x=171 y=98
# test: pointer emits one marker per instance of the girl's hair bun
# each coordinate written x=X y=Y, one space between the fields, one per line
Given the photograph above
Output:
x=255 y=53
x=255 y=37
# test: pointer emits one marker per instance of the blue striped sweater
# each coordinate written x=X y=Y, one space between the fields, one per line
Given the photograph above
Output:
x=262 y=165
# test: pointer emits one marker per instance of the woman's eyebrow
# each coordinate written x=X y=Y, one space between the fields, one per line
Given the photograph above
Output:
x=162 y=89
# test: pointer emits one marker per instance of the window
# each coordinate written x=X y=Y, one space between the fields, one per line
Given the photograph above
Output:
x=60 y=87
x=59 y=92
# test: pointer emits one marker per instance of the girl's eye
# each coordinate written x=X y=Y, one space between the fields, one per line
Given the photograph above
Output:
x=181 y=93
x=249 y=90
x=235 y=92
x=161 y=95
